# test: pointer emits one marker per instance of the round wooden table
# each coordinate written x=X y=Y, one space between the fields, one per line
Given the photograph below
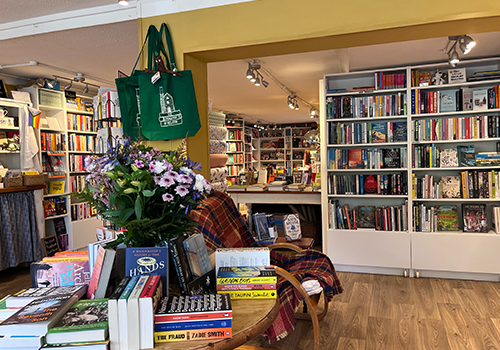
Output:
x=251 y=317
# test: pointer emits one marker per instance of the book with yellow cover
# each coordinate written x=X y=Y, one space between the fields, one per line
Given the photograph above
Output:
x=249 y=294
x=56 y=187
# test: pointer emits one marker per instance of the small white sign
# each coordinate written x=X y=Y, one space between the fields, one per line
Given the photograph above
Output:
x=456 y=76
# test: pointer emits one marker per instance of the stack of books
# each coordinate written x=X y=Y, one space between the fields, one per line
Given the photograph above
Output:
x=257 y=188
x=40 y=309
x=296 y=187
x=131 y=311
x=247 y=282
x=62 y=269
x=197 y=317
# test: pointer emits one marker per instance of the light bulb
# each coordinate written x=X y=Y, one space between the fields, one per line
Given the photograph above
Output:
x=123 y=2
x=454 y=59
x=257 y=81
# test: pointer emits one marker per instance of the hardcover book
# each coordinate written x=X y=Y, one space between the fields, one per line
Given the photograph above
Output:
x=447 y=218
x=466 y=155
x=194 y=308
x=154 y=260
x=165 y=327
x=149 y=299
x=114 y=335
x=355 y=158
x=448 y=101
x=194 y=334
x=378 y=132
x=392 y=158
x=59 y=273
x=480 y=99
x=86 y=321
x=475 y=218
x=179 y=260
x=448 y=158
x=466 y=99
x=39 y=315
x=451 y=186
x=25 y=296
x=399 y=132
x=261 y=227
x=197 y=255
x=365 y=217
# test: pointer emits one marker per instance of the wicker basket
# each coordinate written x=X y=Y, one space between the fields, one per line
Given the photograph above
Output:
x=13 y=181
x=33 y=180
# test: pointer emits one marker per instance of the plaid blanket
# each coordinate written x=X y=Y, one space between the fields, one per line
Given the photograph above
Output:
x=223 y=227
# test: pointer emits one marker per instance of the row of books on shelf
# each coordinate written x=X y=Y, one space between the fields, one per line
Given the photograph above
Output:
x=248 y=139
x=362 y=158
x=52 y=141
x=234 y=147
x=77 y=183
x=234 y=135
x=276 y=155
x=81 y=143
x=76 y=162
x=102 y=124
x=81 y=211
x=233 y=170
x=54 y=206
x=383 y=184
x=53 y=166
x=272 y=144
x=464 y=99
x=366 y=106
x=61 y=233
x=470 y=184
x=461 y=128
x=431 y=156
x=367 y=217
x=80 y=122
x=235 y=158
x=79 y=104
x=363 y=133
x=446 y=218
x=385 y=80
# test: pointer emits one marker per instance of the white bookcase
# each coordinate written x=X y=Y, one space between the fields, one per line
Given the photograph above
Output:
x=452 y=254
x=81 y=231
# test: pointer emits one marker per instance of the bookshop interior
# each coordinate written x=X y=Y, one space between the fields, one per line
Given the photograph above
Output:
x=244 y=174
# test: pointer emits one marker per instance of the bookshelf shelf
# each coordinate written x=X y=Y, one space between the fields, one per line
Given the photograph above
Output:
x=366 y=170
x=366 y=230
x=55 y=195
x=56 y=216
x=361 y=145
x=76 y=111
x=457 y=141
x=82 y=132
x=457 y=113
x=447 y=253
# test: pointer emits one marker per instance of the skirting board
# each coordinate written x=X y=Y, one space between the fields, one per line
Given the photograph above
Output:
x=370 y=269
x=487 y=277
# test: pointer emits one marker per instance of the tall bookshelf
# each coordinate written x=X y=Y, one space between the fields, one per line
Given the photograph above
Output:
x=453 y=254
x=73 y=128
x=235 y=149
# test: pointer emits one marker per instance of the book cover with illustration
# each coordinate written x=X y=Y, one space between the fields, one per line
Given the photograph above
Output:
x=448 y=101
x=249 y=272
x=378 y=132
x=59 y=273
x=355 y=158
x=447 y=218
x=197 y=255
x=399 y=133
x=25 y=296
x=466 y=155
x=448 y=158
x=451 y=186
x=392 y=157
x=475 y=218
x=154 y=260
x=82 y=317
x=365 y=216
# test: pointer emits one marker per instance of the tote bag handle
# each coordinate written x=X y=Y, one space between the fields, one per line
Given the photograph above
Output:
x=170 y=45
x=155 y=46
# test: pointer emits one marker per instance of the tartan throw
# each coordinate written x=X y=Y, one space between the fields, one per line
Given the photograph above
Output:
x=223 y=227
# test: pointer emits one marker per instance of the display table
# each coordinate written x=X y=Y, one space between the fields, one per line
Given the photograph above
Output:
x=250 y=318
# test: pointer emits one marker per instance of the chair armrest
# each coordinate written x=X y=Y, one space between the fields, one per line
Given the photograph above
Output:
x=285 y=246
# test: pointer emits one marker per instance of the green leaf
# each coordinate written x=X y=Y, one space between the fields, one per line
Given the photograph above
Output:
x=138 y=208
x=112 y=213
x=126 y=214
x=148 y=193
x=112 y=198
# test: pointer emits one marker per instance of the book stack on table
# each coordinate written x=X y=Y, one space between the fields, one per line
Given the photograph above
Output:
x=247 y=282
x=196 y=317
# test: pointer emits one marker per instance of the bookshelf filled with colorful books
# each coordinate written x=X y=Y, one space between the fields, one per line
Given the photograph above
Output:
x=67 y=134
x=438 y=146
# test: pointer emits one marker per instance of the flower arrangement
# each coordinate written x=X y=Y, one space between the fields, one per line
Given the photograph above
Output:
x=145 y=191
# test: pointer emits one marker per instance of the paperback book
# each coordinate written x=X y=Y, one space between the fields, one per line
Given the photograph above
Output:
x=25 y=296
x=197 y=255
x=246 y=275
x=448 y=158
x=378 y=132
x=52 y=273
x=194 y=308
x=466 y=155
x=366 y=217
x=86 y=321
x=140 y=261
x=447 y=218
x=197 y=334
x=451 y=186
x=399 y=133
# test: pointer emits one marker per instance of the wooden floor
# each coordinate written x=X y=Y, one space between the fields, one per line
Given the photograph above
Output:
x=389 y=312
x=385 y=312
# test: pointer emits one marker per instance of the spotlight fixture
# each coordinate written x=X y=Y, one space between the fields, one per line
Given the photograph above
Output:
x=40 y=82
x=253 y=79
x=254 y=75
x=52 y=83
x=265 y=83
x=123 y=2
x=68 y=85
x=257 y=81
x=86 y=90
x=296 y=105
x=291 y=101
x=464 y=42
x=313 y=112
x=249 y=72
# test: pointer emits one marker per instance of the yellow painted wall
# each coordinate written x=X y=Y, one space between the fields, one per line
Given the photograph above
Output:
x=274 y=27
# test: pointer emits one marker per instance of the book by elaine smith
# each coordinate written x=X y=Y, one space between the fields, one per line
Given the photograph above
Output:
x=139 y=261
x=447 y=218
x=85 y=321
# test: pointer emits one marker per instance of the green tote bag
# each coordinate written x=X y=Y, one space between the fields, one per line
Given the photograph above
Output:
x=168 y=106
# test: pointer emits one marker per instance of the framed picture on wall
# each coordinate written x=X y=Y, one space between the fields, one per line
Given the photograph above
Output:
x=3 y=89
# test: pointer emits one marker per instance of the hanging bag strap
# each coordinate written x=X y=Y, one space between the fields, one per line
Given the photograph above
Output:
x=170 y=46
x=155 y=46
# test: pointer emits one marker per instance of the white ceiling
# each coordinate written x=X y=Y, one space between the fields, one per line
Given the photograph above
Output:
x=100 y=51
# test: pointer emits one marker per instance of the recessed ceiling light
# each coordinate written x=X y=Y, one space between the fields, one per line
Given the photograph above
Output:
x=123 y=2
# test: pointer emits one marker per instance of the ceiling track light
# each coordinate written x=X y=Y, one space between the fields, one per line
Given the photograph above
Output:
x=69 y=85
x=464 y=43
x=86 y=90
x=52 y=83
